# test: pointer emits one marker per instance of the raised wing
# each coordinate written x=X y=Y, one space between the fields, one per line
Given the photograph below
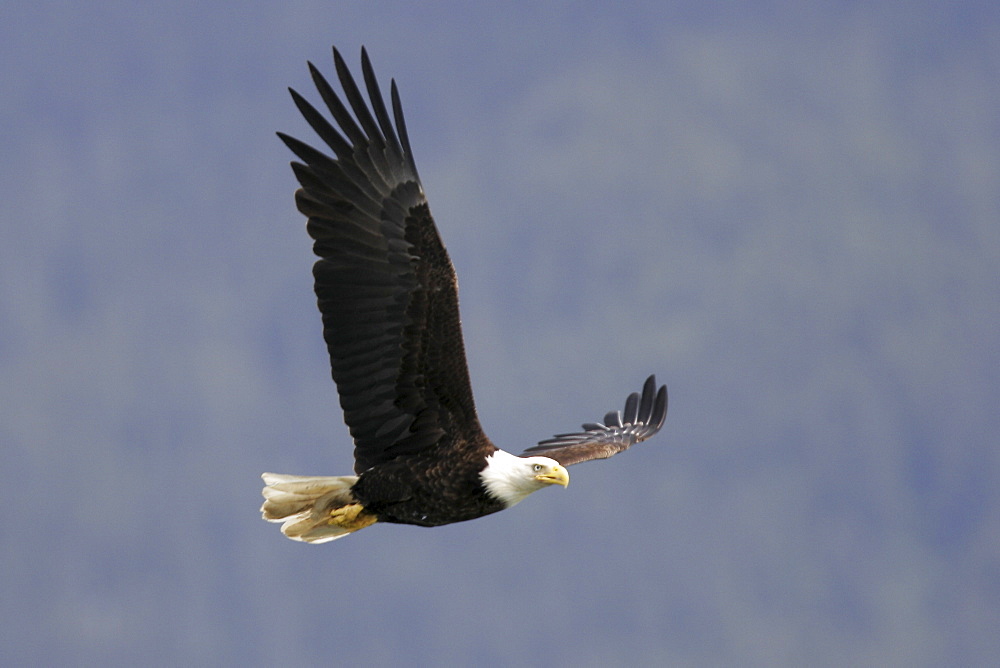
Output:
x=643 y=417
x=385 y=284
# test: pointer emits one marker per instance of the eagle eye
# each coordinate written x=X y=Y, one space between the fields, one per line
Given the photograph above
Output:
x=537 y=467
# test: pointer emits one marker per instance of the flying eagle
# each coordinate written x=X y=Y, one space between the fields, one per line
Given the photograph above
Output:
x=389 y=300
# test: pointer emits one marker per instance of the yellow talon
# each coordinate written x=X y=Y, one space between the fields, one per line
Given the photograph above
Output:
x=351 y=517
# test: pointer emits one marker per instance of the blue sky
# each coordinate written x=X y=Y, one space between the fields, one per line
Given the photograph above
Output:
x=787 y=211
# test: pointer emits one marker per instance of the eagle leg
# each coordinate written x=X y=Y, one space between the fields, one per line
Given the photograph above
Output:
x=351 y=517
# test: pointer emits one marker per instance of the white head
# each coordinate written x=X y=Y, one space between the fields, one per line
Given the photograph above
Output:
x=510 y=478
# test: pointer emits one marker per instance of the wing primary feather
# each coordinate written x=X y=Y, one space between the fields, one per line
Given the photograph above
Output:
x=356 y=100
x=631 y=412
x=646 y=404
x=376 y=142
x=644 y=415
x=337 y=108
x=361 y=151
x=378 y=105
x=320 y=125
x=404 y=138
x=660 y=412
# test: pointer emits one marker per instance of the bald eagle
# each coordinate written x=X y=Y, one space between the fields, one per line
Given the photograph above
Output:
x=389 y=302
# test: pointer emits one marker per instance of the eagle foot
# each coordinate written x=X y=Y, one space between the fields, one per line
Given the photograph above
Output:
x=351 y=517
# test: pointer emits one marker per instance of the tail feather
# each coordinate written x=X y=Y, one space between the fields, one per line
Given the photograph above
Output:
x=304 y=505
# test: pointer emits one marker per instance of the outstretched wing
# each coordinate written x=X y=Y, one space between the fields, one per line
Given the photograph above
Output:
x=385 y=284
x=642 y=418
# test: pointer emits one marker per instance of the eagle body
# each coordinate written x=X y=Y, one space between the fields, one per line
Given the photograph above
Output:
x=388 y=297
x=427 y=490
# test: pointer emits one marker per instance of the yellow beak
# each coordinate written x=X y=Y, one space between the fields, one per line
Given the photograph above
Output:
x=558 y=475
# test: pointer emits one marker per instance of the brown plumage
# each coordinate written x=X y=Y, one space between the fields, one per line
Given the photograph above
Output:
x=388 y=296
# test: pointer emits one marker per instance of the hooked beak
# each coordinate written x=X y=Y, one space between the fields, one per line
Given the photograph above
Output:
x=558 y=475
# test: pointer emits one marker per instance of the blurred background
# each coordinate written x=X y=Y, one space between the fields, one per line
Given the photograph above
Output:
x=790 y=212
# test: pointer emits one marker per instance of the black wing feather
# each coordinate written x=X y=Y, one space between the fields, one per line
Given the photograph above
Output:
x=378 y=104
x=644 y=416
x=404 y=137
x=376 y=142
x=384 y=282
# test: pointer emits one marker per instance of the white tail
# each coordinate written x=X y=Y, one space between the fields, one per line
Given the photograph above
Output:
x=313 y=509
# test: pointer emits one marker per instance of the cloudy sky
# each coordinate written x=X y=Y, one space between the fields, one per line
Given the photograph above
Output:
x=790 y=212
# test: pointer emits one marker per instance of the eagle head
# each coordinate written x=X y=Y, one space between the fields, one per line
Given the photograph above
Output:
x=510 y=478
